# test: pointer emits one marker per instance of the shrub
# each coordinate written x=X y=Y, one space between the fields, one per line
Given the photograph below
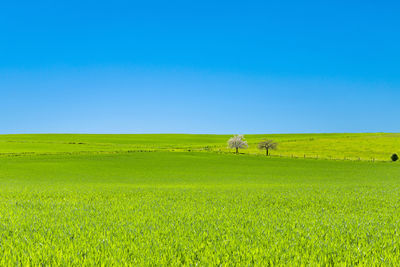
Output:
x=394 y=157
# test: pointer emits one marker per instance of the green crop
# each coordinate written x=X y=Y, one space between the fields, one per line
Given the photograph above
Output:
x=192 y=208
x=367 y=147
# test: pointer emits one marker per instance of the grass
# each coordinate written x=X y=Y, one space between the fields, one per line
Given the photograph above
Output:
x=194 y=208
x=378 y=146
x=100 y=200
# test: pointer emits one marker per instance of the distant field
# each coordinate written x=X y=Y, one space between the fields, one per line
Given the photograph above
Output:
x=378 y=146
x=196 y=209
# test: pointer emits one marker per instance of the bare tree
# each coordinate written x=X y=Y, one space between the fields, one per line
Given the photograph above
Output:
x=237 y=141
x=267 y=145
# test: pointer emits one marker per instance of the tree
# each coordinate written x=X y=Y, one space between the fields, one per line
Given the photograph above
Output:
x=267 y=145
x=394 y=157
x=237 y=141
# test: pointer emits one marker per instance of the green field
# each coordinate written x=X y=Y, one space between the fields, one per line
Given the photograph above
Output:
x=364 y=146
x=107 y=200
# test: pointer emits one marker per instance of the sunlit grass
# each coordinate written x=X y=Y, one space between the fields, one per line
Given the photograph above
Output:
x=374 y=146
x=197 y=208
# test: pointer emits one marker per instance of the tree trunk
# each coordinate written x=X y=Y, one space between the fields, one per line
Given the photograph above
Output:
x=266 y=152
x=237 y=150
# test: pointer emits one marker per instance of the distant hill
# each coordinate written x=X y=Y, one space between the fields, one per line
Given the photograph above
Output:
x=353 y=146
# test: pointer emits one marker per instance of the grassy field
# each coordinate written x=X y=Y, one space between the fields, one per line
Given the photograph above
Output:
x=378 y=146
x=65 y=203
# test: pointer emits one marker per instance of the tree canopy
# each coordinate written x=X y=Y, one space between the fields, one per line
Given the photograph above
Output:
x=237 y=141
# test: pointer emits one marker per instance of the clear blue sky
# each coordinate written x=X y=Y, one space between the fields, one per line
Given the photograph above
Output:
x=199 y=66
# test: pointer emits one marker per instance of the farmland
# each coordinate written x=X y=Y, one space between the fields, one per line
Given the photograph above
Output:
x=182 y=199
x=364 y=146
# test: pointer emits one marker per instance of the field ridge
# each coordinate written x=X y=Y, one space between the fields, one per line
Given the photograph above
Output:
x=363 y=146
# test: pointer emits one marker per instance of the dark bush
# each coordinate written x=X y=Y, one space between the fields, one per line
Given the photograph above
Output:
x=394 y=157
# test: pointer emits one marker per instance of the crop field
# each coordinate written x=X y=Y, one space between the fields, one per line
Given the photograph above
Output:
x=141 y=200
x=364 y=146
